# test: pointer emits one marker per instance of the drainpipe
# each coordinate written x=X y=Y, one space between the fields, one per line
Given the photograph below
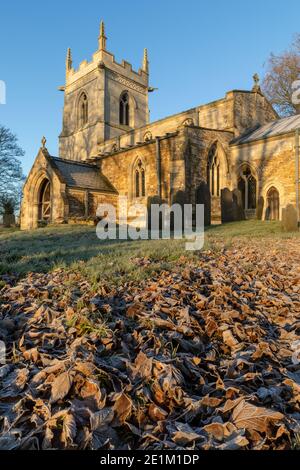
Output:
x=158 y=167
x=297 y=178
x=86 y=204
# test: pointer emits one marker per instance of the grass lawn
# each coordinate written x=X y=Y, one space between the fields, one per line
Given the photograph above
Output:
x=78 y=248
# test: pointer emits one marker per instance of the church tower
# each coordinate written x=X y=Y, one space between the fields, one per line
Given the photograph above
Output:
x=102 y=99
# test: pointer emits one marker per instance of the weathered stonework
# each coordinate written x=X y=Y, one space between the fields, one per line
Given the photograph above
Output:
x=103 y=80
x=273 y=164
x=108 y=149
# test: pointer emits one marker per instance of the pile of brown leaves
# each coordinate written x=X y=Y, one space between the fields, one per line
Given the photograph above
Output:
x=200 y=357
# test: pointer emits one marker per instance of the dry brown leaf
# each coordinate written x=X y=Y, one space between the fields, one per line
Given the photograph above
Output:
x=156 y=413
x=211 y=327
x=220 y=431
x=21 y=378
x=230 y=404
x=229 y=339
x=216 y=430
x=69 y=430
x=122 y=407
x=247 y=416
x=184 y=435
x=91 y=390
x=211 y=401
x=61 y=387
x=142 y=366
x=101 y=418
x=235 y=443
x=31 y=355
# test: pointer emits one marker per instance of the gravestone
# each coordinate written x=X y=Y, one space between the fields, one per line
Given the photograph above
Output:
x=226 y=206
x=151 y=200
x=9 y=220
x=231 y=206
x=203 y=197
x=238 y=209
x=260 y=208
x=179 y=198
x=289 y=218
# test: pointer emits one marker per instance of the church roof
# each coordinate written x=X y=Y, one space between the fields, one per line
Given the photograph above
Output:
x=274 y=128
x=82 y=175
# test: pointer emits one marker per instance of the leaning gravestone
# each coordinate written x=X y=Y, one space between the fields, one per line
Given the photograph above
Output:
x=289 y=219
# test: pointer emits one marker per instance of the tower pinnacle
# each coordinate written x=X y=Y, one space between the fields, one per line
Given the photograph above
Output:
x=102 y=38
x=145 y=67
x=69 y=60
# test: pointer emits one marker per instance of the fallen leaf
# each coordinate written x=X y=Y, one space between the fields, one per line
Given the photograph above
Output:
x=248 y=416
x=60 y=387
x=122 y=407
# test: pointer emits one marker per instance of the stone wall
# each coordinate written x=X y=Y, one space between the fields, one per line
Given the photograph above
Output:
x=159 y=128
x=237 y=112
x=183 y=157
x=77 y=203
x=40 y=171
x=198 y=143
x=250 y=110
x=119 y=169
x=273 y=164
x=103 y=80
x=83 y=204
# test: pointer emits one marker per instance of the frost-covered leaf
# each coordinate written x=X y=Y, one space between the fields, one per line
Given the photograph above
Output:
x=61 y=386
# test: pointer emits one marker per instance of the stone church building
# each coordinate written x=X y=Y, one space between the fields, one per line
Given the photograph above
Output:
x=234 y=155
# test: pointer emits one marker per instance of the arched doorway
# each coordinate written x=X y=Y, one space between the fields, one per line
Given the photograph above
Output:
x=44 y=212
x=272 y=211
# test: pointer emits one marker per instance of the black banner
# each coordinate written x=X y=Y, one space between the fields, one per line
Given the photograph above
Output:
x=139 y=459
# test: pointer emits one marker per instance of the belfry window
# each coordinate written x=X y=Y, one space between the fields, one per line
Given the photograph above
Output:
x=213 y=171
x=124 y=109
x=82 y=110
x=247 y=185
x=139 y=180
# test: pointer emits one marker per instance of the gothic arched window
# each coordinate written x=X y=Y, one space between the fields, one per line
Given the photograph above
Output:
x=124 y=109
x=139 y=180
x=82 y=110
x=213 y=171
x=247 y=185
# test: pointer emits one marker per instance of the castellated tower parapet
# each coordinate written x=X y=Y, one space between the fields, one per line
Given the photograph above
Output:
x=102 y=99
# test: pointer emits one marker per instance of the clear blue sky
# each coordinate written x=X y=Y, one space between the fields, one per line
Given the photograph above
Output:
x=198 y=50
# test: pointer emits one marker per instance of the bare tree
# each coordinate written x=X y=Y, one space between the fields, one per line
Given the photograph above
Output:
x=281 y=72
x=11 y=174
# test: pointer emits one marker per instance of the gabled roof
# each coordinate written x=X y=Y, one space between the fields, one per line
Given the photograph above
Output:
x=81 y=175
x=274 y=128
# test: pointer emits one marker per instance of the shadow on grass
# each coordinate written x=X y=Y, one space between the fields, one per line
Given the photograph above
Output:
x=79 y=248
